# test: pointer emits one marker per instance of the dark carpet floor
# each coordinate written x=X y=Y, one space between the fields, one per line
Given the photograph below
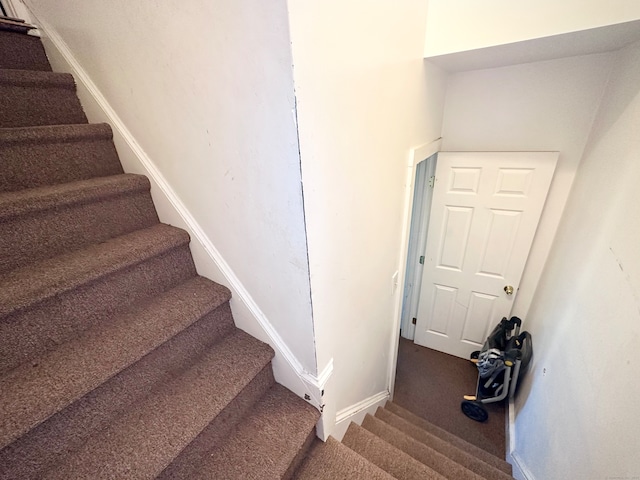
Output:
x=431 y=385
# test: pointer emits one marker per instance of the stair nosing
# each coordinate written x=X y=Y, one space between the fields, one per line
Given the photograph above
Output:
x=104 y=260
x=69 y=382
x=53 y=134
x=36 y=78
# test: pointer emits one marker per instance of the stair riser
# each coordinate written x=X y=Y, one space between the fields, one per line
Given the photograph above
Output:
x=34 y=329
x=22 y=52
x=41 y=448
x=184 y=466
x=27 y=105
x=37 y=165
x=41 y=235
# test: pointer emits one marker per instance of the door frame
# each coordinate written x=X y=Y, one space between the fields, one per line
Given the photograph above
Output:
x=416 y=156
x=420 y=214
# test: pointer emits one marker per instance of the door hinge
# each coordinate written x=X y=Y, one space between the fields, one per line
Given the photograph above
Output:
x=432 y=181
x=414 y=320
x=421 y=259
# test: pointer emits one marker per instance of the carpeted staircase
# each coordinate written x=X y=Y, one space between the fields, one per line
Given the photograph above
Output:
x=396 y=444
x=117 y=360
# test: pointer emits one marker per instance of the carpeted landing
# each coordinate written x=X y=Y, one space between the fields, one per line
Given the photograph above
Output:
x=118 y=361
x=432 y=384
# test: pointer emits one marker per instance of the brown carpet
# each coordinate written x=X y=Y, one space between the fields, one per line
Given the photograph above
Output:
x=117 y=361
x=431 y=385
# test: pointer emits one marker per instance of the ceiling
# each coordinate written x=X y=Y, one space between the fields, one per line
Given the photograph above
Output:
x=584 y=42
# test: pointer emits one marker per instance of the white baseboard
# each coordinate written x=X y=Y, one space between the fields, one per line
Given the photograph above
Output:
x=209 y=262
x=520 y=470
x=357 y=412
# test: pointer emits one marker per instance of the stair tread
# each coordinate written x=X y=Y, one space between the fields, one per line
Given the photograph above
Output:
x=333 y=460
x=141 y=442
x=391 y=459
x=54 y=154
x=35 y=97
x=58 y=196
x=56 y=133
x=43 y=222
x=421 y=452
x=266 y=441
x=34 y=283
x=41 y=387
x=20 y=51
x=28 y=78
x=452 y=439
x=184 y=466
x=43 y=446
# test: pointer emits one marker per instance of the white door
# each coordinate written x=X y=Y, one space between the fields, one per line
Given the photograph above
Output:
x=484 y=214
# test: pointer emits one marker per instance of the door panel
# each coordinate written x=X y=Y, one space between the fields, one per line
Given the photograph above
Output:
x=485 y=211
x=455 y=236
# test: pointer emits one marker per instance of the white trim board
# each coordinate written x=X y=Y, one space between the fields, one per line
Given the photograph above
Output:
x=209 y=262
x=357 y=412
x=520 y=470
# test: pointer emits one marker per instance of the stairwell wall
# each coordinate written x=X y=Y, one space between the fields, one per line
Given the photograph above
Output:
x=539 y=106
x=365 y=98
x=575 y=413
x=204 y=94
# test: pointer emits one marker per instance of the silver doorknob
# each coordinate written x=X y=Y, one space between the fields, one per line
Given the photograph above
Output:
x=508 y=289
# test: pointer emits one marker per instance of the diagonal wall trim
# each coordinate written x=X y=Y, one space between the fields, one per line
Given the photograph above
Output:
x=287 y=368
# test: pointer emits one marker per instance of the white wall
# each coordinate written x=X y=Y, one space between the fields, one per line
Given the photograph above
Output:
x=460 y=25
x=206 y=91
x=365 y=97
x=543 y=106
x=576 y=416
